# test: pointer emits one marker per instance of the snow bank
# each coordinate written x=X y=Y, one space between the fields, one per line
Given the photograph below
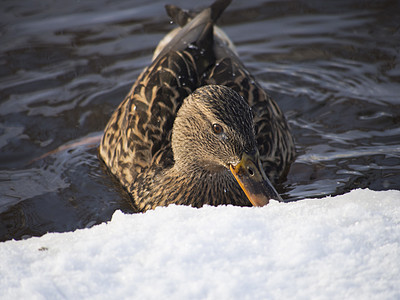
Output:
x=343 y=247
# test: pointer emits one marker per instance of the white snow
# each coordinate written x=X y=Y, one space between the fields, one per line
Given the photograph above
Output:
x=343 y=247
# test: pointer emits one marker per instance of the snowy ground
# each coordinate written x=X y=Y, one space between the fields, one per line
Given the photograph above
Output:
x=344 y=247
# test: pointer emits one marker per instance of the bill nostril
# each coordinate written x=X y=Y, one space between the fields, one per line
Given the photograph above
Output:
x=251 y=171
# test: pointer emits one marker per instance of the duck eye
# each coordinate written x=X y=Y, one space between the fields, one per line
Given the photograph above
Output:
x=217 y=128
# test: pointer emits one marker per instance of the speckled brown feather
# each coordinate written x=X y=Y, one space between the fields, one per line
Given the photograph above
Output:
x=136 y=145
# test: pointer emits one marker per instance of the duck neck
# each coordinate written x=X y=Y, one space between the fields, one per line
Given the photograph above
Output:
x=194 y=188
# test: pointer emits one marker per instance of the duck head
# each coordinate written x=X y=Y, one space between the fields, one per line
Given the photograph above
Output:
x=214 y=132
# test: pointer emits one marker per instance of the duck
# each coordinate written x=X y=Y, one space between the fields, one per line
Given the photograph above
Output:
x=196 y=128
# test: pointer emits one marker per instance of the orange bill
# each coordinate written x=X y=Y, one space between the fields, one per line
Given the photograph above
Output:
x=253 y=181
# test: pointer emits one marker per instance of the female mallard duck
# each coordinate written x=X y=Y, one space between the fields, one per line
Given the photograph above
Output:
x=196 y=128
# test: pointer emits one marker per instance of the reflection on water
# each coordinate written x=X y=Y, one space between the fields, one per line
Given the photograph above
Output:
x=334 y=70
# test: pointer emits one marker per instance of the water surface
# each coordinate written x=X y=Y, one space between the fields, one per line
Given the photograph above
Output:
x=333 y=67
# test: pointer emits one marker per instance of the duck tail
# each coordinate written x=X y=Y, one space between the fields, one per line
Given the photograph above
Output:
x=182 y=17
x=197 y=32
x=218 y=7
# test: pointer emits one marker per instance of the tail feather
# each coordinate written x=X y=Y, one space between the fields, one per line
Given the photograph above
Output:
x=218 y=7
x=182 y=17
x=178 y=15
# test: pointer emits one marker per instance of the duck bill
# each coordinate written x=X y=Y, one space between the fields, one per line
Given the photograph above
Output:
x=253 y=181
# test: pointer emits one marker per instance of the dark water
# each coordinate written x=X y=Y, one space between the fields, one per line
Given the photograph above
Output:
x=333 y=67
